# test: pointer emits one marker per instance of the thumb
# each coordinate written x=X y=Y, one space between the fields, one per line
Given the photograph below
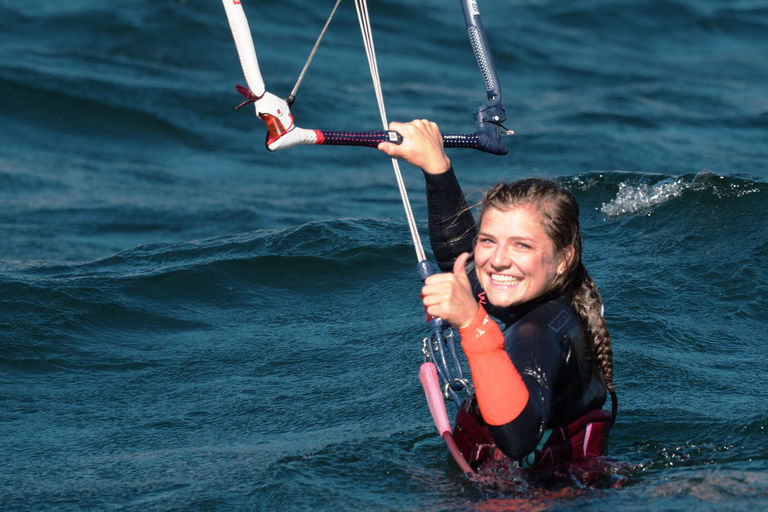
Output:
x=459 y=270
x=387 y=147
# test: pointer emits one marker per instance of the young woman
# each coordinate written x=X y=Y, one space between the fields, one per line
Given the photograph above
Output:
x=528 y=313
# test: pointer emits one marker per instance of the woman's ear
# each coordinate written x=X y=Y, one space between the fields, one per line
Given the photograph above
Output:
x=566 y=259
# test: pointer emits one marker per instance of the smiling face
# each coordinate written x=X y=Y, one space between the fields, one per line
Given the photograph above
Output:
x=515 y=259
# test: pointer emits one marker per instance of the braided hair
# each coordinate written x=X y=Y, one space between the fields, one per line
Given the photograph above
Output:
x=559 y=214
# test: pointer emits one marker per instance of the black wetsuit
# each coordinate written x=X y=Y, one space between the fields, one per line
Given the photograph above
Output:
x=544 y=338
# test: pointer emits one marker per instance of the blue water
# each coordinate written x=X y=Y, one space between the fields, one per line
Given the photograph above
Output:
x=188 y=322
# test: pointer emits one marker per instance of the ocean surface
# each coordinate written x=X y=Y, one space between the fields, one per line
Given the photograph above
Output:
x=190 y=322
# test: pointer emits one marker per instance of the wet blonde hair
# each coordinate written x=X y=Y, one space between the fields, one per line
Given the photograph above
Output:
x=559 y=214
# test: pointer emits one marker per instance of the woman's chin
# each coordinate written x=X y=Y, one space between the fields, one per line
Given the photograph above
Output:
x=503 y=300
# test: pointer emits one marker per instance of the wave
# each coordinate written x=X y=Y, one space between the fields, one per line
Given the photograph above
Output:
x=334 y=240
x=63 y=112
x=118 y=312
x=338 y=252
x=630 y=194
x=134 y=75
x=631 y=199
x=659 y=17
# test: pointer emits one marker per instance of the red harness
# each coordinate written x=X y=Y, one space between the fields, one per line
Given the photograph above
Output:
x=582 y=439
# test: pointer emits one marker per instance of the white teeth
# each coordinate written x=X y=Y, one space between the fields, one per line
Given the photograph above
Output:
x=504 y=279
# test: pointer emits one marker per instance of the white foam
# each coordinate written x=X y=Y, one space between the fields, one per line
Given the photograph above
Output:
x=634 y=198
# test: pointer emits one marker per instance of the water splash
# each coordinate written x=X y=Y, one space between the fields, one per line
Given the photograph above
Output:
x=632 y=199
x=636 y=195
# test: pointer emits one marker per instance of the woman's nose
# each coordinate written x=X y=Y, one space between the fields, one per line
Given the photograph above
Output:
x=501 y=258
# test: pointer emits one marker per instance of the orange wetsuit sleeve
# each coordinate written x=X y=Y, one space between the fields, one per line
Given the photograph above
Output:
x=501 y=392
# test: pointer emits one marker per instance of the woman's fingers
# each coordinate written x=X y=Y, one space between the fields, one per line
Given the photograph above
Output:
x=422 y=145
x=449 y=295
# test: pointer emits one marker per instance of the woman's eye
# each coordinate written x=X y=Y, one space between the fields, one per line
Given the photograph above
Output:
x=522 y=245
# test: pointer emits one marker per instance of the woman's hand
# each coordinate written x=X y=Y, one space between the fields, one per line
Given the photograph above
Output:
x=422 y=146
x=449 y=295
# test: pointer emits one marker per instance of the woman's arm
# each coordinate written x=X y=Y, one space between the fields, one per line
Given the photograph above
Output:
x=501 y=393
x=451 y=226
x=452 y=229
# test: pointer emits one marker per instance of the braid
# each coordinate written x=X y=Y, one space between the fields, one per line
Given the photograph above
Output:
x=588 y=304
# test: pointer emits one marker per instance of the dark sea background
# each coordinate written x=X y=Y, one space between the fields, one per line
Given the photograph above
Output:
x=189 y=322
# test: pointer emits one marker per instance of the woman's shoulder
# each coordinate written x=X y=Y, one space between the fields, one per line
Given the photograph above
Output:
x=555 y=314
x=551 y=319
